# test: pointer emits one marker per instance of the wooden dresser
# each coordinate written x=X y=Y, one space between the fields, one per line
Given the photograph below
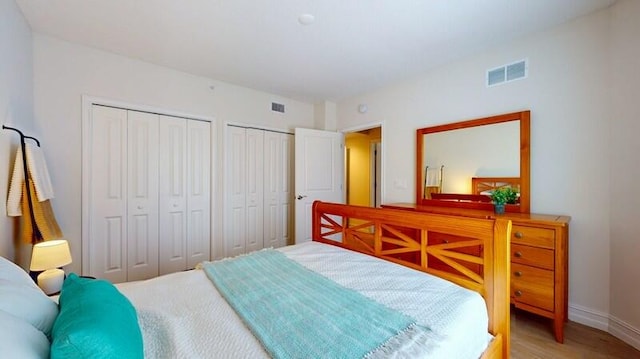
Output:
x=539 y=260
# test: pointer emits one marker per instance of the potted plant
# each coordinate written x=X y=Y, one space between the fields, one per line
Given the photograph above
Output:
x=502 y=196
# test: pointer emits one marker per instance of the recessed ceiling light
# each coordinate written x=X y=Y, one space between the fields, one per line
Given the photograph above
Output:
x=306 y=19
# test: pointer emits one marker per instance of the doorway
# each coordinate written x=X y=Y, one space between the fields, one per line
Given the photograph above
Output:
x=363 y=167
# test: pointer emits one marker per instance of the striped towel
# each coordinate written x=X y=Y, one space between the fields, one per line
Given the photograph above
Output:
x=46 y=225
x=41 y=190
x=38 y=172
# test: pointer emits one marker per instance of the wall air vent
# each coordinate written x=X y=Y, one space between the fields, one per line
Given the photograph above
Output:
x=507 y=73
x=277 y=107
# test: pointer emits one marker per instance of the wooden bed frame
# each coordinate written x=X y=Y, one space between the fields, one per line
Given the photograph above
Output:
x=477 y=200
x=481 y=184
x=403 y=237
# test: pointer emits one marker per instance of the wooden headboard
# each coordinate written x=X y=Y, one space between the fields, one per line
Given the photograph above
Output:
x=404 y=237
x=484 y=184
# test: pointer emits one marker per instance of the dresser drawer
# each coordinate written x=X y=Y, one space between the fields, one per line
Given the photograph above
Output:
x=533 y=236
x=532 y=286
x=533 y=256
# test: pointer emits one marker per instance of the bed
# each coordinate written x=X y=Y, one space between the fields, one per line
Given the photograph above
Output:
x=480 y=198
x=486 y=185
x=361 y=250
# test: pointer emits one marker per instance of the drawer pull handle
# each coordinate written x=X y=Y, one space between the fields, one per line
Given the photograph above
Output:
x=445 y=241
x=518 y=293
x=518 y=235
x=517 y=254
x=518 y=274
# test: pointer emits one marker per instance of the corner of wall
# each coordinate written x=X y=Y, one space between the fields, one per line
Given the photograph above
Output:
x=624 y=331
x=325 y=116
x=16 y=110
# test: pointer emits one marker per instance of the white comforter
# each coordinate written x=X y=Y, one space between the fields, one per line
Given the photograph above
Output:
x=183 y=316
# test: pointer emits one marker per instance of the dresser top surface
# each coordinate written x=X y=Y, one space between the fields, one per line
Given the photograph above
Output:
x=558 y=220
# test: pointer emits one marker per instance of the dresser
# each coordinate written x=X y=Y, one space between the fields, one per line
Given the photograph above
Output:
x=539 y=260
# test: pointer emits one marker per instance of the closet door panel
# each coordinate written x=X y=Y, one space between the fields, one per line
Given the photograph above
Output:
x=142 y=199
x=272 y=187
x=236 y=184
x=286 y=189
x=108 y=191
x=172 y=194
x=255 y=191
x=198 y=192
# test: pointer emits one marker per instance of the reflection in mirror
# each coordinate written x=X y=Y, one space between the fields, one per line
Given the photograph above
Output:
x=484 y=151
x=459 y=164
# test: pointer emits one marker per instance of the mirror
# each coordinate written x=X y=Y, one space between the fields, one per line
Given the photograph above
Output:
x=459 y=164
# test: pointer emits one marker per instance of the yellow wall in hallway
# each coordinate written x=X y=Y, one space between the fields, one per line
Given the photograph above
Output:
x=358 y=169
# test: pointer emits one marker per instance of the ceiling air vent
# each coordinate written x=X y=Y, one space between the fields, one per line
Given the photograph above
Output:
x=507 y=73
x=277 y=107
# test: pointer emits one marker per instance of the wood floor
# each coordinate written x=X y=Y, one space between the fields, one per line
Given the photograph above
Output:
x=532 y=338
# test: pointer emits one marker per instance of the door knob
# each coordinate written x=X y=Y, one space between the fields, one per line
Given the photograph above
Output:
x=301 y=197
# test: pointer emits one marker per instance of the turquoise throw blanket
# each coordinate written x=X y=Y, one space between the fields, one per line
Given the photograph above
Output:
x=297 y=313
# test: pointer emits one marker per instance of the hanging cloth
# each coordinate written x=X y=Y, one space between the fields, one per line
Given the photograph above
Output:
x=46 y=225
x=41 y=191
x=38 y=172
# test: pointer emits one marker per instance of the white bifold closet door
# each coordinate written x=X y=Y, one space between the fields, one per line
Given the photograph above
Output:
x=124 y=201
x=184 y=193
x=258 y=180
x=278 y=189
x=149 y=188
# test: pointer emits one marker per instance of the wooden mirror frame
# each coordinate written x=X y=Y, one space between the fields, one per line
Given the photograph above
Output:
x=525 y=169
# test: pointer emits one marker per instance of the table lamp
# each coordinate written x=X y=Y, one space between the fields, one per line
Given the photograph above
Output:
x=48 y=256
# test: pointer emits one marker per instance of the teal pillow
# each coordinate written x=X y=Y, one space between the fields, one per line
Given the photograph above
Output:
x=95 y=321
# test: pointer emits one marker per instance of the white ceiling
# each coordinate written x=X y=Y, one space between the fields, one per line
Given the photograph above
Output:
x=354 y=46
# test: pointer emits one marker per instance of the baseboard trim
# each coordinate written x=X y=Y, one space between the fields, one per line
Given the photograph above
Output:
x=604 y=321
x=589 y=317
x=624 y=331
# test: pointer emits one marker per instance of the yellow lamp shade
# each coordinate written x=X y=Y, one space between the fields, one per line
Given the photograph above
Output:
x=50 y=254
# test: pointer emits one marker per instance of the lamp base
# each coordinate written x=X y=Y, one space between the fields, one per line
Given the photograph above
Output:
x=50 y=281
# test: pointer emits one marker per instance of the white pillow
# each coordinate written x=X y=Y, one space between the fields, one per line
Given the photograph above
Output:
x=19 y=339
x=29 y=303
x=11 y=271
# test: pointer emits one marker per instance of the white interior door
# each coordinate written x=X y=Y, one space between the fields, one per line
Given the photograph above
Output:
x=254 y=239
x=235 y=191
x=142 y=196
x=107 y=236
x=286 y=189
x=319 y=174
x=172 y=195
x=198 y=192
x=272 y=178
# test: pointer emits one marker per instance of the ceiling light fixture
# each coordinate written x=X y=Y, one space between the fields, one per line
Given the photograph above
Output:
x=306 y=19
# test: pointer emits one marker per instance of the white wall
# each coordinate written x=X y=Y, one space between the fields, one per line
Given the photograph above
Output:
x=567 y=92
x=63 y=72
x=625 y=172
x=16 y=110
